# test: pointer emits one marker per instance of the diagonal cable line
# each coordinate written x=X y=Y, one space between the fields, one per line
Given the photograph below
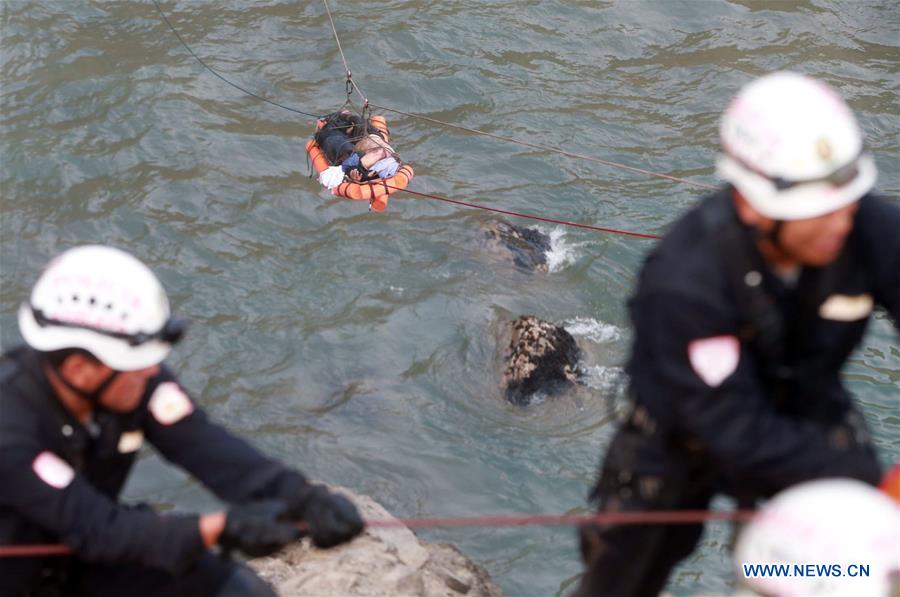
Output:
x=213 y=71
x=353 y=85
x=548 y=148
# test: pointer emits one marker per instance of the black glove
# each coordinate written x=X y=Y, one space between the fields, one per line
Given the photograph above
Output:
x=332 y=518
x=258 y=528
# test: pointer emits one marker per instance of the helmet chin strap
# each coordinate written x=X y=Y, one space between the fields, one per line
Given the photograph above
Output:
x=774 y=235
x=92 y=397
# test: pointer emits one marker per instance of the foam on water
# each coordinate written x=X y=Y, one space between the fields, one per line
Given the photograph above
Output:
x=561 y=253
x=603 y=378
x=593 y=330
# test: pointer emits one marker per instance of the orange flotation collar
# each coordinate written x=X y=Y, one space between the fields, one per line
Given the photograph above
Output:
x=376 y=191
x=890 y=483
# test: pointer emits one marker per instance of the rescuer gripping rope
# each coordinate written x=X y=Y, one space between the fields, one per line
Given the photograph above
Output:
x=524 y=520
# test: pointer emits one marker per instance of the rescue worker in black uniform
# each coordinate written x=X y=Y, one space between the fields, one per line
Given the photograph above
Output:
x=77 y=403
x=743 y=318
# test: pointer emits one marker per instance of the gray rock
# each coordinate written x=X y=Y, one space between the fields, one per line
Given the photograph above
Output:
x=390 y=562
x=542 y=357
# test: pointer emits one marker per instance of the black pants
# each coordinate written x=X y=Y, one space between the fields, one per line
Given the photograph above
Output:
x=336 y=145
x=212 y=576
x=339 y=135
x=636 y=560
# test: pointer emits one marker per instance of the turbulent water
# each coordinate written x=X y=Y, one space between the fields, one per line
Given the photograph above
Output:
x=362 y=347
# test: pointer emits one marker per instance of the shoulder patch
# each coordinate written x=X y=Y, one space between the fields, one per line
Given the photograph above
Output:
x=714 y=359
x=169 y=404
x=53 y=470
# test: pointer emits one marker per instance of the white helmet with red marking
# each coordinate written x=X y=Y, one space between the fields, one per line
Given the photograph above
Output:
x=793 y=149
x=104 y=301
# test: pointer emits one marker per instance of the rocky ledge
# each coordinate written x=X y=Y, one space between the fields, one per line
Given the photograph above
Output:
x=382 y=561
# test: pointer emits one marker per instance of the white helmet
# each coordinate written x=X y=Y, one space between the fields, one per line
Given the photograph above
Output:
x=826 y=523
x=104 y=301
x=792 y=147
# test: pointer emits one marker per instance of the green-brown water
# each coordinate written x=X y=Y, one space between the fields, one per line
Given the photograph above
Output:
x=360 y=347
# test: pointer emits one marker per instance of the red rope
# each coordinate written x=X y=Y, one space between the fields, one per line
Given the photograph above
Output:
x=529 y=216
x=24 y=551
x=637 y=518
x=570 y=154
x=641 y=517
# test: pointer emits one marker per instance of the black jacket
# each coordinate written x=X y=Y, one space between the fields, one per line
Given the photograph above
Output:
x=757 y=397
x=60 y=481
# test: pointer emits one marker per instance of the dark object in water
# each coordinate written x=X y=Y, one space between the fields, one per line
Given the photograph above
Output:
x=543 y=357
x=528 y=246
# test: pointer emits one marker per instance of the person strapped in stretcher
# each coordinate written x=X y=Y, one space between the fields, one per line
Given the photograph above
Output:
x=353 y=159
x=357 y=150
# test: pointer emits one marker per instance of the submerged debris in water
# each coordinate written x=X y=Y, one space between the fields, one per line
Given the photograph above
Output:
x=529 y=246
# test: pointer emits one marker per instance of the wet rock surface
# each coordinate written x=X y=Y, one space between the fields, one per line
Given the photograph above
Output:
x=528 y=247
x=542 y=358
x=390 y=562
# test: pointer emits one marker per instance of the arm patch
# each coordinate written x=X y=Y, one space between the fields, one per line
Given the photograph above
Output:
x=169 y=404
x=714 y=359
x=53 y=470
